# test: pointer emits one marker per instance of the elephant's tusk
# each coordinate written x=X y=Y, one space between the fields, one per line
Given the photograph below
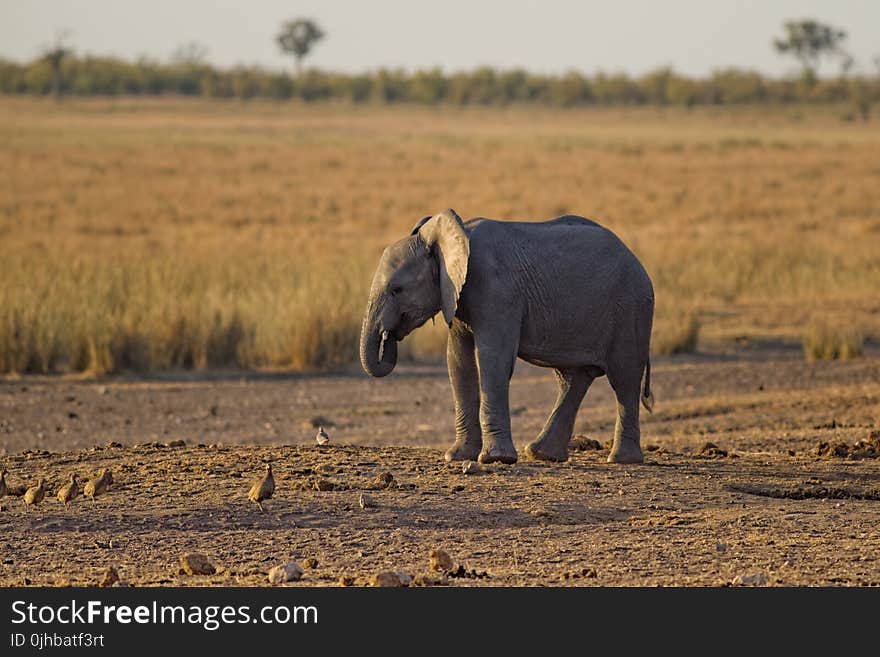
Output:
x=382 y=345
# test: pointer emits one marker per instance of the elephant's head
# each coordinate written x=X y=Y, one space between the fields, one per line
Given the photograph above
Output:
x=416 y=278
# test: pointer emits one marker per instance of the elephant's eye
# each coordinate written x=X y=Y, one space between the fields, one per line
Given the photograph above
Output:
x=395 y=291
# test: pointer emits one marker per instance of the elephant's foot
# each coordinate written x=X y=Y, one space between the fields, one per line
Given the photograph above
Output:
x=498 y=453
x=625 y=451
x=545 y=450
x=463 y=451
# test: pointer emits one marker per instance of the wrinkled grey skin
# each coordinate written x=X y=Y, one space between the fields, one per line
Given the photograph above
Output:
x=565 y=293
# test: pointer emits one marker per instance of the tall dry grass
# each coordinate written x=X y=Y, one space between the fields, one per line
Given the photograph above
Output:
x=142 y=234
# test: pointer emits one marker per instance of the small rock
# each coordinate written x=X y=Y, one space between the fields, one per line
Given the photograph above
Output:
x=383 y=480
x=366 y=502
x=581 y=443
x=711 y=450
x=113 y=445
x=390 y=578
x=721 y=546
x=101 y=390
x=430 y=579
x=72 y=415
x=291 y=572
x=405 y=578
x=323 y=485
x=346 y=580
x=176 y=443
x=194 y=563
x=752 y=579
x=310 y=563
x=440 y=560
x=110 y=578
x=470 y=467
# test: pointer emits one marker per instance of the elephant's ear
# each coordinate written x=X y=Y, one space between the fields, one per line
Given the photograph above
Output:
x=444 y=234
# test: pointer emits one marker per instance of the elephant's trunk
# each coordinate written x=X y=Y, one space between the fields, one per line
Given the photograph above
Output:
x=378 y=347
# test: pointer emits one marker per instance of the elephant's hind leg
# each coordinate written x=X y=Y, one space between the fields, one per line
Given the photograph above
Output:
x=552 y=443
x=626 y=447
x=463 y=376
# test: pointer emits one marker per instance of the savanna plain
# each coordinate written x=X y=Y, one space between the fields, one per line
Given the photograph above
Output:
x=181 y=290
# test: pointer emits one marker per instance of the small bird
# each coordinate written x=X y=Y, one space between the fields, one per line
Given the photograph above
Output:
x=323 y=437
x=35 y=494
x=69 y=492
x=98 y=485
x=263 y=488
x=4 y=489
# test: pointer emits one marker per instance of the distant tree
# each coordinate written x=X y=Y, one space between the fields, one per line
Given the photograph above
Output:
x=808 y=41
x=190 y=54
x=55 y=55
x=297 y=38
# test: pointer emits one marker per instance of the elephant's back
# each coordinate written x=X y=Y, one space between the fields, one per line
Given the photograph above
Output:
x=569 y=252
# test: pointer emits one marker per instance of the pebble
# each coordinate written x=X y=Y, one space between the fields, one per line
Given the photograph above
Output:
x=390 y=578
x=383 y=480
x=310 y=563
x=366 y=502
x=290 y=572
x=470 y=467
x=194 y=563
x=721 y=546
x=346 y=580
x=440 y=560
x=751 y=579
x=430 y=579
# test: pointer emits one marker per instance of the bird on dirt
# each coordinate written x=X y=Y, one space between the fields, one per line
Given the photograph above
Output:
x=4 y=489
x=68 y=492
x=323 y=437
x=263 y=488
x=35 y=494
x=98 y=485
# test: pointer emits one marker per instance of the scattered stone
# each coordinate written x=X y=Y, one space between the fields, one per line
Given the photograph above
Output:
x=390 y=578
x=581 y=443
x=323 y=485
x=470 y=467
x=291 y=572
x=346 y=580
x=176 y=443
x=366 y=502
x=868 y=448
x=110 y=578
x=440 y=560
x=430 y=579
x=711 y=450
x=383 y=480
x=463 y=572
x=194 y=563
x=102 y=390
x=311 y=563
x=72 y=415
x=752 y=579
x=113 y=445
x=721 y=546
x=583 y=573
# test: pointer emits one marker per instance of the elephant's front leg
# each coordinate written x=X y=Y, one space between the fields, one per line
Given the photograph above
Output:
x=463 y=376
x=495 y=359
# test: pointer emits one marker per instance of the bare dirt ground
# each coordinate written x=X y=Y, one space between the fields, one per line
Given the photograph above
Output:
x=765 y=502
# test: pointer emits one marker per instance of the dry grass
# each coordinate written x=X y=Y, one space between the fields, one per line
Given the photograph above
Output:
x=676 y=335
x=827 y=339
x=164 y=233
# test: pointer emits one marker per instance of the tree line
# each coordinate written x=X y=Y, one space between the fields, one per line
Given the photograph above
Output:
x=107 y=76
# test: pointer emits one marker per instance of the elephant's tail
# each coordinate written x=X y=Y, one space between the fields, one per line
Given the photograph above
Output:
x=647 y=395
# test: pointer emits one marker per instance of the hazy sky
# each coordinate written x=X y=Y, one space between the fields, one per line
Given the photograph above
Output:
x=550 y=36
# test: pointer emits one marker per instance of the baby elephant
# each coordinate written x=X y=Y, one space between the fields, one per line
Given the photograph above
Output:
x=564 y=293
